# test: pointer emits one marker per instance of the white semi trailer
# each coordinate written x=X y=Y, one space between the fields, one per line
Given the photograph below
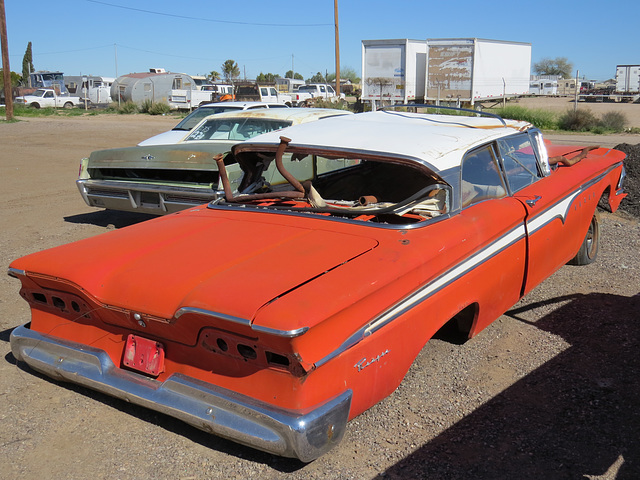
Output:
x=393 y=71
x=464 y=71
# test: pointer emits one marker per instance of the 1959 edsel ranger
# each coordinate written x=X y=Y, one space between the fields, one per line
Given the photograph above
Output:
x=273 y=316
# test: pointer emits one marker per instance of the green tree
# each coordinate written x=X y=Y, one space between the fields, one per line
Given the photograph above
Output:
x=554 y=66
x=27 y=64
x=295 y=76
x=346 y=73
x=230 y=70
x=267 y=77
x=214 y=76
x=15 y=79
x=317 y=78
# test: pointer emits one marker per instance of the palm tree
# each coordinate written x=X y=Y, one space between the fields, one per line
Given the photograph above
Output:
x=230 y=70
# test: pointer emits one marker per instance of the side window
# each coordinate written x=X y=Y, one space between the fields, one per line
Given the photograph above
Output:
x=264 y=92
x=519 y=161
x=322 y=88
x=481 y=178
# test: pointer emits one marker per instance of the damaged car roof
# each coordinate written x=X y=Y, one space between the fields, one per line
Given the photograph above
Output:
x=436 y=140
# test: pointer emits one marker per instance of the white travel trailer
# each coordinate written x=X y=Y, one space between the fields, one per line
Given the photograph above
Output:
x=155 y=85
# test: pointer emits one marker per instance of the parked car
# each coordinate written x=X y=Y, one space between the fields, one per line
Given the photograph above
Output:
x=178 y=132
x=274 y=315
x=160 y=179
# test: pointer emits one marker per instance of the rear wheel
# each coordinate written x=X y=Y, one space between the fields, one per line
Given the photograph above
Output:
x=590 y=245
x=68 y=105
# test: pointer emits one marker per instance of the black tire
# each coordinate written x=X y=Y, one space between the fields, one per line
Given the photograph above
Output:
x=68 y=105
x=590 y=245
x=35 y=105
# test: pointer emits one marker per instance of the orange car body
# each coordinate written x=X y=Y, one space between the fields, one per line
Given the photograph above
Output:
x=272 y=322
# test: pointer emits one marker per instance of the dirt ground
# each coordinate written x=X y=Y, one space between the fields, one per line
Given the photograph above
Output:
x=549 y=390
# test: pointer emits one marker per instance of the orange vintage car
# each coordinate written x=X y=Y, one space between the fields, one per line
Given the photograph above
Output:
x=275 y=315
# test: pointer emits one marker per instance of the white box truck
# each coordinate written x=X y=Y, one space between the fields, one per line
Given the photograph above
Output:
x=470 y=70
x=393 y=71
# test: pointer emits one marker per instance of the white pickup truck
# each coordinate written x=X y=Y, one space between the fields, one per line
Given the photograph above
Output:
x=301 y=97
x=47 y=97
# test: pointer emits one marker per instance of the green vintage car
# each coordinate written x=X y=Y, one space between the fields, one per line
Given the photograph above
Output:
x=161 y=179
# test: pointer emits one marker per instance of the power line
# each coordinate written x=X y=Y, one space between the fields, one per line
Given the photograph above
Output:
x=212 y=20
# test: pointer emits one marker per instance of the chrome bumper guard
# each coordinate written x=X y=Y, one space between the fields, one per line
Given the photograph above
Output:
x=303 y=435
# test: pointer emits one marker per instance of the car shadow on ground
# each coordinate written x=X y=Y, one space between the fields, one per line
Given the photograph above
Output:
x=576 y=416
x=109 y=218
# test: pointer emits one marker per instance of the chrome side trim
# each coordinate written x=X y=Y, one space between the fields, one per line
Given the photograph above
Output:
x=15 y=273
x=304 y=435
x=429 y=289
x=558 y=210
x=242 y=321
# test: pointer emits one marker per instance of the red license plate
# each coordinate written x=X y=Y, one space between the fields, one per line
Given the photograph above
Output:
x=144 y=355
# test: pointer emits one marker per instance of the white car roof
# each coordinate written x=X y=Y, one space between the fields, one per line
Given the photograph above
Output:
x=294 y=115
x=242 y=105
x=174 y=136
x=439 y=141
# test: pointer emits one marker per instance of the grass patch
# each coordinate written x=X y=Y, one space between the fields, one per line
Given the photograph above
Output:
x=542 y=119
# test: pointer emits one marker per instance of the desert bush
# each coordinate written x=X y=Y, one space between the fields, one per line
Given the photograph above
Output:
x=127 y=108
x=159 y=108
x=542 y=119
x=613 y=121
x=580 y=120
x=326 y=103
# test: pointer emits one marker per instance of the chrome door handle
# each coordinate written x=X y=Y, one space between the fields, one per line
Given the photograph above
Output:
x=532 y=201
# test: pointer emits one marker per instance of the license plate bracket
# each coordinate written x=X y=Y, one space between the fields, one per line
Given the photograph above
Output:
x=144 y=355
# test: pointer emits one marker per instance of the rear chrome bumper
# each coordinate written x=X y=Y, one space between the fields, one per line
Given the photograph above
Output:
x=304 y=435
x=156 y=199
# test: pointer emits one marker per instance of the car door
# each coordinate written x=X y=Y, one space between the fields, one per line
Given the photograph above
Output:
x=553 y=226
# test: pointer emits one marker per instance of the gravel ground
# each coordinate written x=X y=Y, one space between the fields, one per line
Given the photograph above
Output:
x=549 y=390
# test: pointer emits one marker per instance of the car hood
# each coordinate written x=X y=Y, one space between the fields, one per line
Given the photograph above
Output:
x=227 y=262
x=178 y=156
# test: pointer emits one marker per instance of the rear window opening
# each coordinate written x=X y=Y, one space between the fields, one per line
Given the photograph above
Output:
x=390 y=192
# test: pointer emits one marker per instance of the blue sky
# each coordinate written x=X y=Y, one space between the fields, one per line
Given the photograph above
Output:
x=122 y=36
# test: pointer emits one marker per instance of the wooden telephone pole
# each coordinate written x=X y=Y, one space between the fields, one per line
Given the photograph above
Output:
x=6 y=69
x=335 y=14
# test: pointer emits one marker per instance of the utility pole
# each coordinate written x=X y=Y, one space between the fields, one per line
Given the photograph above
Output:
x=575 y=100
x=6 y=69
x=335 y=14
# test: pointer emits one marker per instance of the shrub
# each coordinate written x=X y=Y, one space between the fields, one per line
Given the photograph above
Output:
x=159 y=108
x=580 y=120
x=613 y=121
x=145 y=106
x=327 y=103
x=542 y=119
x=127 y=107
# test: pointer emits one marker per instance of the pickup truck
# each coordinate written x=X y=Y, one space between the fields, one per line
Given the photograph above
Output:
x=261 y=93
x=47 y=97
x=313 y=90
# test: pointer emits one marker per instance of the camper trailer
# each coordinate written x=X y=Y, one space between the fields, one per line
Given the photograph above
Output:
x=155 y=85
